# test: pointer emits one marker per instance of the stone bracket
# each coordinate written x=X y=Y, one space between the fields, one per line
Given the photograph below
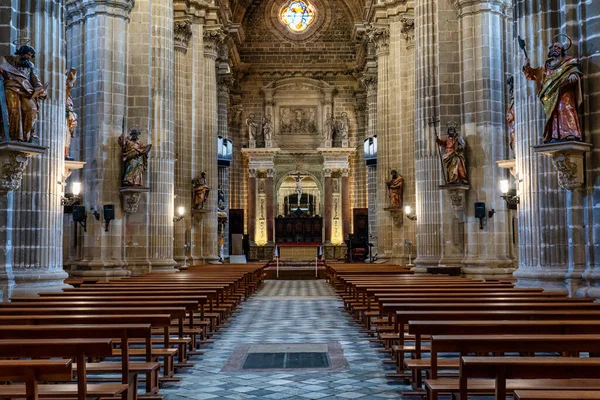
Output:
x=15 y=158
x=397 y=215
x=457 y=193
x=130 y=198
x=510 y=165
x=198 y=215
x=567 y=159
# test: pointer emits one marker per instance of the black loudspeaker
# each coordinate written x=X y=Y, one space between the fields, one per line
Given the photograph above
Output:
x=479 y=210
x=109 y=212
x=79 y=213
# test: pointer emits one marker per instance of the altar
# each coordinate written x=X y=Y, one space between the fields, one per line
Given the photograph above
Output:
x=298 y=251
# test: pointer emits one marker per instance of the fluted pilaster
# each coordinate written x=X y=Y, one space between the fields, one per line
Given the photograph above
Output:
x=183 y=136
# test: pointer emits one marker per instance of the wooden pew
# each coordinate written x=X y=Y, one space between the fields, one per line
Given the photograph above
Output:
x=503 y=368
x=33 y=371
x=101 y=331
x=466 y=344
x=557 y=395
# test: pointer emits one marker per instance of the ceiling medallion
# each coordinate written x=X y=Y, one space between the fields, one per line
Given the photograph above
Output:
x=297 y=16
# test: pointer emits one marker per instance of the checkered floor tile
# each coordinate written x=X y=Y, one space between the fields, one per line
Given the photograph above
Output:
x=288 y=312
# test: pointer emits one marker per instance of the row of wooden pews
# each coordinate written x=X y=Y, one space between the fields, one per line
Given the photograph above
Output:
x=476 y=337
x=109 y=337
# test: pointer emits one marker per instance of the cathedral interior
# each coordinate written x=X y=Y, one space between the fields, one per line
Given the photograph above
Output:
x=146 y=136
x=299 y=199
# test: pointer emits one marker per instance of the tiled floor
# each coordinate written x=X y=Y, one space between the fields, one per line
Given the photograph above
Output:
x=288 y=312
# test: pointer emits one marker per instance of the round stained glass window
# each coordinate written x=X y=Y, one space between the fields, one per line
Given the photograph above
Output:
x=297 y=16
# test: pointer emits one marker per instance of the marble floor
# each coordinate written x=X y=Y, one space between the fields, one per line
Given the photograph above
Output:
x=288 y=312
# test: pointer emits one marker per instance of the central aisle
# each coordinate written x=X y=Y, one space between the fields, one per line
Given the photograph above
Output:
x=288 y=312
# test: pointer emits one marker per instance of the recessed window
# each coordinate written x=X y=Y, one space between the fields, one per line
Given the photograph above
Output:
x=297 y=16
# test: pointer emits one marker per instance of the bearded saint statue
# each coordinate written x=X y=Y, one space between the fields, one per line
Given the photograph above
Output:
x=396 y=189
x=559 y=89
x=454 y=157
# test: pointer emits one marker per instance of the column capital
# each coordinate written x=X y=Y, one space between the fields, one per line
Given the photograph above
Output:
x=213 y=38
x=252 y=172
x=380 y=37
x=344 y=172
x=182 y=35
x=270 y=173
x=327 y=172
x=224 y=83
x=408 y=30
x=369 y=81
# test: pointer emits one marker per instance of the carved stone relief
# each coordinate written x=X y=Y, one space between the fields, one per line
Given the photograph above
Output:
x=298 y=120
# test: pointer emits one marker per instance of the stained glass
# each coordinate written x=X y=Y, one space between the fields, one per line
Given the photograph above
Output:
x=298 y=15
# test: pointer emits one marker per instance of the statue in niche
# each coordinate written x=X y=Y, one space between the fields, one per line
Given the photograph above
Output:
x=342 y=126
x=252 y=127
x=328 y=127
x=135 y=158
x=71 y=116
x=510 y=113
x=23 y=91
x=221 y=206
x=201 y=191
x=453 y=158
x=395 y=189
x=559 y=90
x=267 y=129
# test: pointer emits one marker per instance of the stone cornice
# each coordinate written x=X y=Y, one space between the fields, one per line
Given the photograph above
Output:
x=182 y=35
x=468 y=7
x=80 y=10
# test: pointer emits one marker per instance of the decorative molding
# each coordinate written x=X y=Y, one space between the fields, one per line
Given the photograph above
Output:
x=182 y=35
x=408 y=30
x=224 y=84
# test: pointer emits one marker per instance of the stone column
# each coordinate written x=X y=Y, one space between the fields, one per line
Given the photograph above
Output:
x=427 y=163
x=346 y=205
x=270 y=206
x=224 y=184
x=183 y=145
x=558 y=229
x=103 y=81
x=359 y=170
x=161 y=163
x=328 y=205
x=213 y=37
x=380 y=36
x=224 y=83
x=36 y=219
x=482 y=33
x=372 y=183
x=251 y=205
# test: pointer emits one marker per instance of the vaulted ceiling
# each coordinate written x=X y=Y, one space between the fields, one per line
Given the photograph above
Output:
x=239 y=8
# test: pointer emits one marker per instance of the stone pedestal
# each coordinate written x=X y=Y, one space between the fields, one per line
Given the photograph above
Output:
x=130 y=198
x=14 y=157
x=567 y=159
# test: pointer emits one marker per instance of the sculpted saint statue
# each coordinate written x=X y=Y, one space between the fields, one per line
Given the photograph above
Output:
x=267 y=128
x=23 y=90
x=135 y=158
x=559 y=89
x=396 y=189
x=328 y=127
x=454 y=157
x=252 y=127
x=201 y=191
x=343 y=124
x=510 y=114
x=70 y=112
x=221 y=205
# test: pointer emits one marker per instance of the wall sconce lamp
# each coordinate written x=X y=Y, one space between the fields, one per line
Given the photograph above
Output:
x=71 y=199
x=509 y=195
x=181 y=212
x=408 y=213
x=80 y=216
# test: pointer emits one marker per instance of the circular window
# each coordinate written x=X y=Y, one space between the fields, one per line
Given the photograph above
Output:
x=297 y=16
